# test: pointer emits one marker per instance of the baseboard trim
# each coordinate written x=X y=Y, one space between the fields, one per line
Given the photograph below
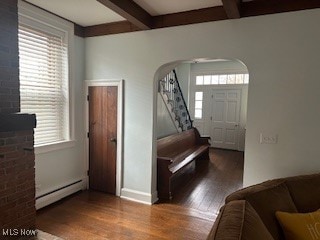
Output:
x=154 y=197
x=137 y=196
x=58 y=194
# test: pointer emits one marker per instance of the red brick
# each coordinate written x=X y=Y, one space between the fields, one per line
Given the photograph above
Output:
x=15 y=196
x=25 y=133
x=11 y=171
x=7 y=134
x=7 y=207
x=15 y=155
x=16 y=140
x=3 y=201
x=3 y=186
x=7 y=149
x=11 y=191
x=7 y=219
x=7 y=163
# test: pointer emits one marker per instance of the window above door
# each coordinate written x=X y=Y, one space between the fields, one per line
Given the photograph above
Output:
x=221 y=79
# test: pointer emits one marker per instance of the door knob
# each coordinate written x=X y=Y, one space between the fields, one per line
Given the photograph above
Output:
x=113 y=140
x=236 y=125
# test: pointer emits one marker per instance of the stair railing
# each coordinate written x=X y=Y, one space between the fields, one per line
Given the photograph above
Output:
x=170 y=88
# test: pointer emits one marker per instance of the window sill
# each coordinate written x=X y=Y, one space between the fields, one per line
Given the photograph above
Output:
x=54 y=146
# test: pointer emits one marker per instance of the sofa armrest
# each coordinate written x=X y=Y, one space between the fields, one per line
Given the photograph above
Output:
x=238 y=220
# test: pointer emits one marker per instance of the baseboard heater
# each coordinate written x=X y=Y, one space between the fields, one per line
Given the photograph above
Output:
x=57 y=194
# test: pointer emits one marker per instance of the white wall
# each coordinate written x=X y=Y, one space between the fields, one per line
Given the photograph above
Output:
x=183 y=75
x=165 y=125
x=219 y=67
x=281 y=52
x=59 y=168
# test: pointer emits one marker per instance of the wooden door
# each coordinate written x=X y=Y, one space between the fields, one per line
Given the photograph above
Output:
x=102 y=138
x=225 y=118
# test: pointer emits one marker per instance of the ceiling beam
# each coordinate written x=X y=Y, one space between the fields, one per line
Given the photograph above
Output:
x=263 y=7
x=232 y=8
x=248 y=9
x=110 y=28
x=131 y=11
x=79 y=30
x=190 y=17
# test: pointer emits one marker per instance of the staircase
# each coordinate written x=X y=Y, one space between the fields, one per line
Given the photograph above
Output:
x=171 y=94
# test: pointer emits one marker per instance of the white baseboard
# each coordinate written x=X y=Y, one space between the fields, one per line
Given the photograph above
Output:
x=59 y=194
x=138 y=196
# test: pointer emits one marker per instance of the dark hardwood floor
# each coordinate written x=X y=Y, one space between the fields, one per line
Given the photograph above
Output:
x=190 y=215
x=213 y=182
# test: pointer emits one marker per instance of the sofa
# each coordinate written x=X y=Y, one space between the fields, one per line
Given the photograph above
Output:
x=249 y=213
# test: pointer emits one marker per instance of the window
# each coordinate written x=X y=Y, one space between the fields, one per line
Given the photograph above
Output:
x=44 y=80
x=222 y=79
x=198 y=105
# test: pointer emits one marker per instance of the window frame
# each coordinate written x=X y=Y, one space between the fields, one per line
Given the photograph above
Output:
x=44 y=21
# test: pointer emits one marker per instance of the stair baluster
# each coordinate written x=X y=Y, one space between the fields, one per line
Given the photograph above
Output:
x=170 y=90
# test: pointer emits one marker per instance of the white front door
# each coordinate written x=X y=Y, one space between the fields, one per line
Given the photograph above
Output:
x=225 y=118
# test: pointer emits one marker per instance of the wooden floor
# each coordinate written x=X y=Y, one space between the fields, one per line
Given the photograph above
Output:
x=190 y=215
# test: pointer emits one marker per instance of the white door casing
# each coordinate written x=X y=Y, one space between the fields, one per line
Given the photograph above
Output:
x=120 y=85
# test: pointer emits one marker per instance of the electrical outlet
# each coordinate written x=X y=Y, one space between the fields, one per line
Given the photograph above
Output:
x=268 y=139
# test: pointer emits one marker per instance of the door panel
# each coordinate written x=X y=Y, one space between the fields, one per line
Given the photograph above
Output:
x=102 y=138
x=225 y=118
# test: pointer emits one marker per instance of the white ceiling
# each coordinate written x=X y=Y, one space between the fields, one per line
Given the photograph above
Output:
x=159 y=7
x=82 y=12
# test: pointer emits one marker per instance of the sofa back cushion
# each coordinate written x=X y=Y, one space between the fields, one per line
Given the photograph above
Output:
x=305 y=192
x=242 y=193
x=266 y=199
x=239 y=221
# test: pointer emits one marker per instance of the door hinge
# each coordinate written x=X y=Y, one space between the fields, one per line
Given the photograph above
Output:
x=212 y=96
x=211 y=118
x=88 y=97
x=88 y=134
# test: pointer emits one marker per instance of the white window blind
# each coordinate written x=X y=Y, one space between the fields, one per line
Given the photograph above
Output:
x=44 y=83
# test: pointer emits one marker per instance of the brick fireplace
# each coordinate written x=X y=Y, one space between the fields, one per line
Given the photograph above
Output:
x=17 y=173
x=17 y=161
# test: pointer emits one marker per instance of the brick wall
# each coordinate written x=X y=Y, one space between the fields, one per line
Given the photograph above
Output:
x=17 y=180
x=17 y=173
x=9 y=57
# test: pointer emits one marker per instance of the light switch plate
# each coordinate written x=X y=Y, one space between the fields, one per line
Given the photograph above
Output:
x=268 y=139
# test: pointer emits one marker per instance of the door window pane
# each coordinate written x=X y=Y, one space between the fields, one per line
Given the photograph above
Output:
x=239 y=78
x=207 y=80
x=199 y=95
x=215 y=79
x=198 y=104
x=223 y=79
x=198 y=114
x=231 y=79
x=246 y=78
x=199 y=80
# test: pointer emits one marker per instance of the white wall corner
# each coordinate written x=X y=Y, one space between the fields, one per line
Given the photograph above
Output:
x=85 y=182
x=137 y=196
x=154 y=197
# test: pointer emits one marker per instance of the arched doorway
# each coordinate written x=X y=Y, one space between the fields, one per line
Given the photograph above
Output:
x=216 y=92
